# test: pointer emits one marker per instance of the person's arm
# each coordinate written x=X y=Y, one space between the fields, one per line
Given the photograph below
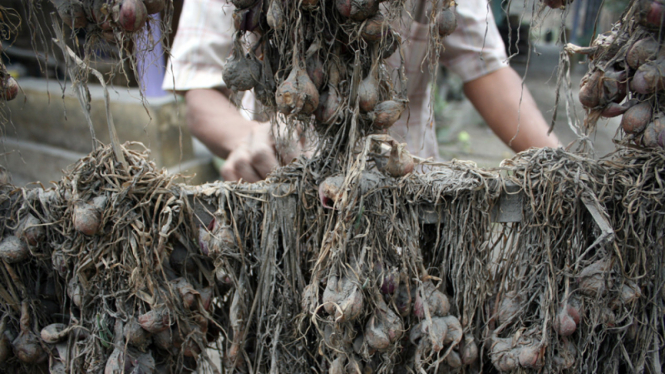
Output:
x=509 y=109
x=246 y=145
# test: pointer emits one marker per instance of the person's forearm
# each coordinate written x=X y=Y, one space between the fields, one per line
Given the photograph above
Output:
x=212 y=118
x=509 y=110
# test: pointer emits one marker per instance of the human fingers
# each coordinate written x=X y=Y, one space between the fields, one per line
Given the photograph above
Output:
x=238 y=166
x=263 y=159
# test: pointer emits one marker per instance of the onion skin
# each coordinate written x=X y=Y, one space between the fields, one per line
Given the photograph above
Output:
x=385 y=114
x=132 y=15
x=13 y=250
x=637 y=118
x=446 y=22
x=154 y=6
x=71 y=12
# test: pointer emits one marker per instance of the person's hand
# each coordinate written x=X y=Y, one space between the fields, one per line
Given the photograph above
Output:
x=256 y=156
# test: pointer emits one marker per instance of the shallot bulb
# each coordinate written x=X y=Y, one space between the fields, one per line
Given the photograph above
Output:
x=649 y=77
x=275 y=15
x=383 y=328
x=241 y=72
x=186 y=292
x=297 y=94
x=651 y=13
x=357 y=10
x=8 y=87
x=400 y=162
x=430 y=333
x=156 y=320
x=87 y=216
x=591 y=89
x=385 y=114
x=469 y=350
x=642 y=51
x=637 y=118
x=314 y=66
x=71 y=12
x=343 y=299
x=30 y=230
x=436 y=301
x=136 y=335
x=509 y=307
x=132 y=15
x=329 y=106
x=592 y=279
x=375 y=29
x=368 y=91
x=652 y=134
x=27 y=345
x=13 y=250
x=446 y=21
x=330 y=191
x=247 y=19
